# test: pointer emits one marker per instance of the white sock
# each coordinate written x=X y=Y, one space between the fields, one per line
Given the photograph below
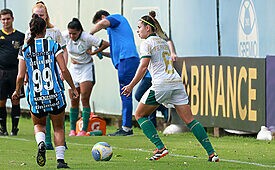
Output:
x=39 y=137
x=126 y=129
x=59 y=152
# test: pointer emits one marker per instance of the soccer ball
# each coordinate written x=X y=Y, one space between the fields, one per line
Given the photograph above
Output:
x=102 y=151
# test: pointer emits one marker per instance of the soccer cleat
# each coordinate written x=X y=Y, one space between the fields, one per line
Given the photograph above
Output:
x=49 y=146
x=213 y=158
x=65 y=144
x=81 y=133
x=72 y=133
x=41 y=154
x=61 y=164
x=159 y=154
x=14 y=132
x=121 y=132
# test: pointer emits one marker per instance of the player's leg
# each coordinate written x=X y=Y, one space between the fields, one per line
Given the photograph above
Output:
x=59 y=137
x=3 y=99
x=3 y=118
x=85 y=92
x=39 y=123
x=74 y=111
x=197 y=129
x=148 y=128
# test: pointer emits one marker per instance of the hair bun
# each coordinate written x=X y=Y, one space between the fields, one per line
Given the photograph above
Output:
x=152 y=14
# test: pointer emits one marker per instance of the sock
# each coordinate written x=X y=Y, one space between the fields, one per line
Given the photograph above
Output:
x=3 y=118
x=15 y=115
x=73 y=117
x=201 y=136
x=150 y=131
x=39 y=137
x=59 y=152
x=48 y=130
x=126 y=129
x=85 y=117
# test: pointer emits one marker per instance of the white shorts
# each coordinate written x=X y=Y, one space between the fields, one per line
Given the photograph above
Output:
x=82 y=72
x=167 y=98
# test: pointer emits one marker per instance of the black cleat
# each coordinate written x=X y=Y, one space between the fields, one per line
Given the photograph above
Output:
x=41 y=154
x=121 y=132
x=214 y=158
x=62 y=164
x=159 y=154
x=3 y=132
x=14 y=132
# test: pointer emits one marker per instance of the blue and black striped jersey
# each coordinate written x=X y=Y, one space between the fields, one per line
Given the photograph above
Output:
x=45 y=91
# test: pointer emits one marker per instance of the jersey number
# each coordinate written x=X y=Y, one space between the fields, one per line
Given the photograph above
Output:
x=169 y=69
x=38 y=78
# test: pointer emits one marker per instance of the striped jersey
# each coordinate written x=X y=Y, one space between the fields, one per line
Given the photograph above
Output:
x=45 y=91
x=164 y=75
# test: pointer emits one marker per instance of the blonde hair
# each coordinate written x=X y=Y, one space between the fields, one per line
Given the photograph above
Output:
x=159 y=30
x=41 y=4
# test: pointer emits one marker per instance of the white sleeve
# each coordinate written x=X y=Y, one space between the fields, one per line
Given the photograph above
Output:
x=145 y=49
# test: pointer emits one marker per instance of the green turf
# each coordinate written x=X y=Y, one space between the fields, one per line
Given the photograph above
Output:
x=19 y=152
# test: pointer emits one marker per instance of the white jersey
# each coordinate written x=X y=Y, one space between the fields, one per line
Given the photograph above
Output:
x=77 y=49
x=51 y=34
x=164 y=76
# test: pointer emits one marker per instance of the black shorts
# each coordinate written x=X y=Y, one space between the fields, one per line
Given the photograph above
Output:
x=55 y=112
x=8 y=84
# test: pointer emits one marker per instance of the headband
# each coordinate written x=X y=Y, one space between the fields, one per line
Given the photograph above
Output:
x=148 y=23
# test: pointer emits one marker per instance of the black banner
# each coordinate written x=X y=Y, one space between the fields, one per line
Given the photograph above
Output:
x=226 y=92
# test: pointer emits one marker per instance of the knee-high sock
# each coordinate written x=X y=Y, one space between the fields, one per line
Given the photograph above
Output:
x=59 y=152
x=73 y=117
x=48 y=130
x=3 y=118
x=150 y=131
x=201 y=136
x=15 y=115
x=85 y=117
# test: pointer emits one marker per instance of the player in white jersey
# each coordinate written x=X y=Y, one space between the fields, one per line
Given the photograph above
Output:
x=166 y=88
x=52 y=33
x=79 y=44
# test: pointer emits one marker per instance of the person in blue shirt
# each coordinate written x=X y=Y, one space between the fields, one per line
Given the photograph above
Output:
x=45 y=90
x=124 y=56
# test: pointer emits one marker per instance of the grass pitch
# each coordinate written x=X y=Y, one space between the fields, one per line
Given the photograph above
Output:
x=235 y=152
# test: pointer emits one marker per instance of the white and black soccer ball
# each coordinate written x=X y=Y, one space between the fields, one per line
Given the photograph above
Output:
x=102 y=151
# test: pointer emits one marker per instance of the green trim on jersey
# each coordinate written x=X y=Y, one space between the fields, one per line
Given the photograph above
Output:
x=151 y=100
x=146 y=56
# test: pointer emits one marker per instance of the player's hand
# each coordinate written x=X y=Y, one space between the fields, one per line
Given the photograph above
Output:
x=174 y=56
x=126 y=90
x=75 y=94
x=15 y=96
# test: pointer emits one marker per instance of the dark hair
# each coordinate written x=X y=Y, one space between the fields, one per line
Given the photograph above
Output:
x=98 y=15
x=75 y=24
x=37 y=26
x=147 y=20
x=40 y=2
x=159 y=30
x=5 y=12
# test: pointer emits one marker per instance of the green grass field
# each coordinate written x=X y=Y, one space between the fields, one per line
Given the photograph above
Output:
x=19 y=152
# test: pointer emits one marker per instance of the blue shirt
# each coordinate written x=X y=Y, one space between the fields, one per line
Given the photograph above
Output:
x=45 y=91
x=121 y=38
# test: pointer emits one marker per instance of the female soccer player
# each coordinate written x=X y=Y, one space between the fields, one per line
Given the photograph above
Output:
x=167 y=88
x=79 y=44
x=53 y=33
x=45 y=90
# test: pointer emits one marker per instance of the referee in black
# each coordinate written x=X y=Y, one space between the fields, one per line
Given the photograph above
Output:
x=10 y=42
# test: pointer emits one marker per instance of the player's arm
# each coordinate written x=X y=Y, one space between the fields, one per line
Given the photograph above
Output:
x=142 y=68
x=104 y=23
x=20 y=79
x=172 y=50
x=66 y=74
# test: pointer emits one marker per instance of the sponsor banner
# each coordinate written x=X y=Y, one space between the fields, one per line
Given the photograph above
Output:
x=226 y=92
x=270 y=93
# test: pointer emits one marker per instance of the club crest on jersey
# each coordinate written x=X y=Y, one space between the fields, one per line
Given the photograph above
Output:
x=16 y=44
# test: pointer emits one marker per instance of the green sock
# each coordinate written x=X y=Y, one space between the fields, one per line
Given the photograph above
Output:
x=48 y=138
x=201 y=135
x=73 y=117
x=85 y=117
x=150 y=131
